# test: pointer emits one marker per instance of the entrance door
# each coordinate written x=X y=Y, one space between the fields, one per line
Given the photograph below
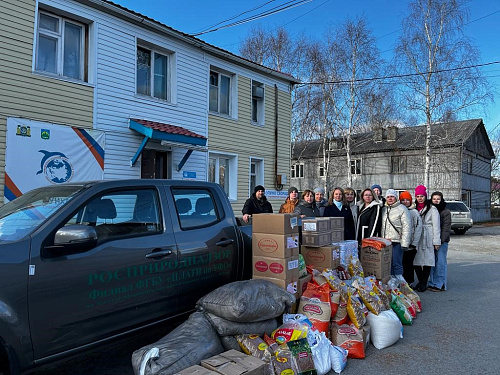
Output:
x=156 y=164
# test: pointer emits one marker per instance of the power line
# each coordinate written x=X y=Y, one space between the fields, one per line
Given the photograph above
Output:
x=278 y=9
x=398 y=75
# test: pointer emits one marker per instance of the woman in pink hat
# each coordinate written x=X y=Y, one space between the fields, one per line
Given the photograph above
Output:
x=430 y=239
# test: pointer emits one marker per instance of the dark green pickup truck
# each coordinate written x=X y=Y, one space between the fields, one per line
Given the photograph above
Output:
x=84 y=263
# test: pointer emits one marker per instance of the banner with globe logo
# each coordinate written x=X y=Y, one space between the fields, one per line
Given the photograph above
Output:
x=41 y=154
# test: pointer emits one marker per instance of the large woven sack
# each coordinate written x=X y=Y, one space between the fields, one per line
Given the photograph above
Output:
x=247 y=301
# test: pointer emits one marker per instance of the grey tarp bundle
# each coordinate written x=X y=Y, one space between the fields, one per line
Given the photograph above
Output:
x=226 y=327
x=185 y=346
x=247 y=301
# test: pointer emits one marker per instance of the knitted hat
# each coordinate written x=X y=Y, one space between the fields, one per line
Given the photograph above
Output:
x=378 y=187
x=319 y=190
x=259 y=187
x=391 y=192
x=291 y=189
x=405 y=195
x=420 y=190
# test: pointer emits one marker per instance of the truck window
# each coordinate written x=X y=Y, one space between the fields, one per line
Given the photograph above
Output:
x=121 y=214
x=195 y=208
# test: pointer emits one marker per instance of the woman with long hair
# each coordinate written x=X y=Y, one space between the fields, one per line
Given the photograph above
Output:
x=338 y=208
x=439 y=273
x=369 y=215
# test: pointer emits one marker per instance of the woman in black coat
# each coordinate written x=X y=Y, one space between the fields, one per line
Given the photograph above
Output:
x=339 y=208
x=307 y=206
x=369 y=215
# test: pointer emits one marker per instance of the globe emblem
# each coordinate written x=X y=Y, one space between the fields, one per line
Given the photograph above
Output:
x=58 y=170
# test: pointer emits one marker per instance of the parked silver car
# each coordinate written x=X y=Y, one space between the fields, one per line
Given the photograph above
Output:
x=461 y=220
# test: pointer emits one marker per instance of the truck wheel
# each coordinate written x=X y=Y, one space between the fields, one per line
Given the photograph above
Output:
x=460 y=231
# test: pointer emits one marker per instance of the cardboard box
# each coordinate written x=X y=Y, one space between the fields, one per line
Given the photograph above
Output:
x=290 y=285
x=234 y=362
x=302 y=284
x=376 y=262
x=316 y=239
x=197 y=370
x=279 y=268
x=275 y=223
x=275 y=245
x=336 y=223
x=316 y=225
x=337 y=235
x=321 y=257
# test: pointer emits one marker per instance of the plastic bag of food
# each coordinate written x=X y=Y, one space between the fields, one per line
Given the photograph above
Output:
x=283 y=361
x=338 y=357
x=302 y=355
x=290 y=330
x=349 y=338
x=321 y=353
x=386 y=328
x=401 y=311
x=315 y=304
x=410 y=306
x=355 y=268
x=341 y=317
x=254 y=345
x=355 y=310
x=409 y=292
x=302 y=266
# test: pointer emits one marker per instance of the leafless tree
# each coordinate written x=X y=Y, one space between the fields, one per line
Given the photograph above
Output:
x=434 y=48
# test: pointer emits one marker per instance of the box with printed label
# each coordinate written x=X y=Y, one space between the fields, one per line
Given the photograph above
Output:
x=234 y=362
x=316 y=239
x=348 y=248
x=197 y=370
x=321 y=257
x=302 y=283
x=375 y=257
x=336 y=223
x=275 y=223
x=275 y=245
x=317 y=225
x=279 y=268
x=290 y=285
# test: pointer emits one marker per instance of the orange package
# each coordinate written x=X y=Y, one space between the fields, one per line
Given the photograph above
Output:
x=315 y=305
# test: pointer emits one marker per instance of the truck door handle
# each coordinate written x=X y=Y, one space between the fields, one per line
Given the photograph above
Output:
x=158 y=253
x=224 y=243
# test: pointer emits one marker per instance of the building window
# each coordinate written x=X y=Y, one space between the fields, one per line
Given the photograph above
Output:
x=467 y=198
x=297 y=171
x=356 y=166
x=256 y=173
x=322 y=170
x=468 y=165
x=60 y=47
x=257 y=102
x=220 y=91
x=222 y=170
x=398 y=164
x=152 y=73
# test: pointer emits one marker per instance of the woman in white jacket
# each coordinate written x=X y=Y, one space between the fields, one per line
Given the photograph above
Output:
x=396 y=226
x=430 y=240
x=416 y=232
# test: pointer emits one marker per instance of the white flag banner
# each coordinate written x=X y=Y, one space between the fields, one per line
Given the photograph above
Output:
x=41 y=154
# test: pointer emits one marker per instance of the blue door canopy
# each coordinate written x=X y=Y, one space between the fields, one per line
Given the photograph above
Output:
x=169 y=135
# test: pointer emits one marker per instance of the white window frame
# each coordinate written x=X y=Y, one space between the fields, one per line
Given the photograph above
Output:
x=467 y=197
x=297 y=170
x=357 y=167
x=322 y=167
x=232 y=190
x=258 y=104
x=221 y=74
x=398 y=158
x=153 y=50
x=59 y=36
x=258 y=174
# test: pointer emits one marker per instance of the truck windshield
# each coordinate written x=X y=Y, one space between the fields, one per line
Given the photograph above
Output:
x=23 y=215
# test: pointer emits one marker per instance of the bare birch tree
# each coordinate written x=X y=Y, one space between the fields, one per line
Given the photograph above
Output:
x=434 y=48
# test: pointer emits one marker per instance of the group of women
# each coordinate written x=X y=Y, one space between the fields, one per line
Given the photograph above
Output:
x=419 y=231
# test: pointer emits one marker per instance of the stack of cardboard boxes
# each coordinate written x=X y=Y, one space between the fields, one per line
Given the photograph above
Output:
x=317 y=237
x=275 y=249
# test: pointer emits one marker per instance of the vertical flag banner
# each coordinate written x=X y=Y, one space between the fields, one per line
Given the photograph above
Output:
x=41 y=154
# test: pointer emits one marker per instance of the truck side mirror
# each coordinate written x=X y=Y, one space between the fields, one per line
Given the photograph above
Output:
x=74 y=238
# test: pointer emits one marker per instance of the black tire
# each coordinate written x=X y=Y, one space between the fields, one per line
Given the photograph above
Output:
x=459 y=231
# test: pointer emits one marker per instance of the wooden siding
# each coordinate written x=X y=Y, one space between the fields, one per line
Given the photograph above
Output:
x=29 y=95
x=247 y=140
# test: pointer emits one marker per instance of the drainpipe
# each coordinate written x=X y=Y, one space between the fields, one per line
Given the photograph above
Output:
x=277 y=183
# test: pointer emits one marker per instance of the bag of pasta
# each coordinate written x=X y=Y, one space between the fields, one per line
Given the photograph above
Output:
x=355 y=268
x=355 y=309
x=315 y=304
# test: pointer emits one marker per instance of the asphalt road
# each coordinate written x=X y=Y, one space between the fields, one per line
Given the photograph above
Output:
x=457 y=331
